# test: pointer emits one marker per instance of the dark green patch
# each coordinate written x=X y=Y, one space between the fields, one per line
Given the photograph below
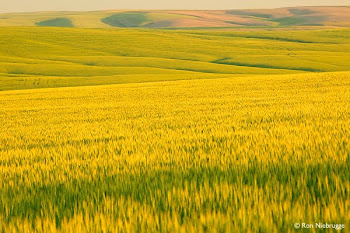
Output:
x=307 y=20
x=160 y=24
x=261 y=36
x=300 y=11
x=16 y=71
x=90 y=64
x=226 y=61
x=290 y=21
x=244 y=13
x=129 y=19
x=58 y=22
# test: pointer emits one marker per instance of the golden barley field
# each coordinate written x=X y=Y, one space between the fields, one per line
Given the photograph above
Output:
x=242 y=154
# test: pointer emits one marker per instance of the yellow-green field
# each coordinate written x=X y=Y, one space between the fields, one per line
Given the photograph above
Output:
x=252 y=154
x=131 y=130
x=34 y=57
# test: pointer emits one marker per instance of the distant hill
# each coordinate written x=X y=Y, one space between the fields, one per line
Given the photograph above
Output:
x=269 y=18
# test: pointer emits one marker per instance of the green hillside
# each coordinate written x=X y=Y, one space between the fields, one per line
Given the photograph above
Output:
x=36 y=57
x=131 y=19
x=58 y=22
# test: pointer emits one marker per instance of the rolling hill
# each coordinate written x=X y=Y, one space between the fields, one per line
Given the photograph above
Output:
x=266 y=18
x=37 y=57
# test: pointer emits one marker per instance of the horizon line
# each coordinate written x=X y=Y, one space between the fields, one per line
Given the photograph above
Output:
x=131 y=9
